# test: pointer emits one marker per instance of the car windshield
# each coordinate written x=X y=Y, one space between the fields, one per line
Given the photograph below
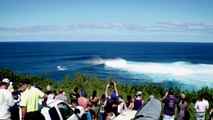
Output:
x=65 y=110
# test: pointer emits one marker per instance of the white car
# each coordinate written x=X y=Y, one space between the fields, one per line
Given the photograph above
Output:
x=59 y=110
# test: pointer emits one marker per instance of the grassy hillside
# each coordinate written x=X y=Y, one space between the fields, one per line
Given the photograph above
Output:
x=90 y=83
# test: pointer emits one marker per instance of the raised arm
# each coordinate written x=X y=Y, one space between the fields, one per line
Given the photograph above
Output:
x=106 y=90
x=210 y=112
x=165 y=95
x=116 y=90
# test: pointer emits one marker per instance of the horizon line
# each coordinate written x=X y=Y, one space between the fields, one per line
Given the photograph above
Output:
x=107 y=41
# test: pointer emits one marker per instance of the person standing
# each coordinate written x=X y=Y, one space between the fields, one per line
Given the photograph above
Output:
x=138 y=101
x=200 y=107
x=6 y=100
x=94 y=101
x=111 y=107
x=30 y=101
x=211 y=114
x=129 y=103
x=103 y=104
x=61 y=96
x=170 y=104
x=74 y=97
x=86 y=104
x=121 y=105
x=182 y=108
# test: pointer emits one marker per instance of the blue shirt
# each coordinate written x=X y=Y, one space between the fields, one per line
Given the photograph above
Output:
x=137 y=104
x=169 y=108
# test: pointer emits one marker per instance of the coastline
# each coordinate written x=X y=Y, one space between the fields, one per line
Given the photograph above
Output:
x=90 y=83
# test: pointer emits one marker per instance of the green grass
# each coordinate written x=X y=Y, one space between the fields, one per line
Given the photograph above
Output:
x=90 y=83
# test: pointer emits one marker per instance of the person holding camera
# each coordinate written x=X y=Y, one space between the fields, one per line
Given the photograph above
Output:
x=111 y=107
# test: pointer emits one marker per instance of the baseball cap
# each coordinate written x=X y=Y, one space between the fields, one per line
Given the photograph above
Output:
x=6 y=80
x=139 y=93
x=61 y=91
x=83 y=93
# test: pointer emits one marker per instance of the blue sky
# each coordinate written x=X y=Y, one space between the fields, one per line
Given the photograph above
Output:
x=106 y=20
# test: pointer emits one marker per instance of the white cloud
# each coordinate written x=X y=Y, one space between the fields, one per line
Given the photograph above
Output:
x=164 y=30
x=72 y=27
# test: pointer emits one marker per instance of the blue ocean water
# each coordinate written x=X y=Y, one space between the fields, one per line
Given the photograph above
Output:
x=186 y=65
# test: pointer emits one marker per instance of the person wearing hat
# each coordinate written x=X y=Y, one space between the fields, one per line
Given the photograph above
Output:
x=6 y=100
x=86 y=104
x=170 y=105
x=138 y=101
x=30 y=101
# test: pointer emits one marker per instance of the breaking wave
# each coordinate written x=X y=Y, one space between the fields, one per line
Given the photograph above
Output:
x=193 y=75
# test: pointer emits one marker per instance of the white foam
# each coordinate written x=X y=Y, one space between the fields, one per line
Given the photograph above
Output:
x=116 y=63
x=62 y=68
x=184 y=72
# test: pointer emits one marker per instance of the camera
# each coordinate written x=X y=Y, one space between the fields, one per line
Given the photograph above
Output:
x=112 y=83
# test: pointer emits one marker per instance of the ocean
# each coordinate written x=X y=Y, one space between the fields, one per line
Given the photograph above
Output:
x=185 y=65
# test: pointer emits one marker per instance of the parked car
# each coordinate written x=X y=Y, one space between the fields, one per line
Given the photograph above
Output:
x=59 y=110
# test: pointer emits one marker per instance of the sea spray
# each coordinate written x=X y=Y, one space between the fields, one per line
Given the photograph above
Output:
x=183 y=73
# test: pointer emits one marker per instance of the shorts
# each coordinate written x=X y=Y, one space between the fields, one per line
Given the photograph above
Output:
x=200 y=115
x=168 y=117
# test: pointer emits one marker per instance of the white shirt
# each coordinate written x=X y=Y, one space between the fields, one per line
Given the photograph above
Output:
x=121 y=107
x=201 y=106
x=6 y=101
x=111 y=117
x=51 y=96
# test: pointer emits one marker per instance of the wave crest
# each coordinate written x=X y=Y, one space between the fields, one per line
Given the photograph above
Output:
x=196 y=75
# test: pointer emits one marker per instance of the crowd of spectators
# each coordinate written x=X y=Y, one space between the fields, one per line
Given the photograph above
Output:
x=29 y=99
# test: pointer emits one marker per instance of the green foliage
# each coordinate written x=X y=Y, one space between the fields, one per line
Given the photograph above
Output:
x=90 y=83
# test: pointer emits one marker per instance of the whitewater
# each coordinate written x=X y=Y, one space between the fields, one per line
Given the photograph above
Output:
x=185 y=65
x=190 y=76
